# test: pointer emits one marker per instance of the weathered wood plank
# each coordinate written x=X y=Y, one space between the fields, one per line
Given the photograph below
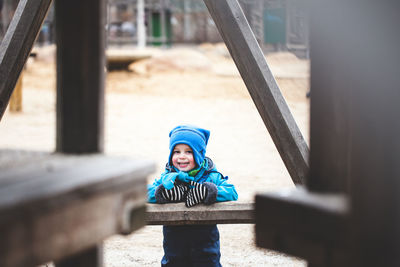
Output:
x=37 y=236
x=60 y=205
x=260 y=82
x=308 y=225
x=17 y=43
x=67 y=177
x=80 y=75
x=218 y=213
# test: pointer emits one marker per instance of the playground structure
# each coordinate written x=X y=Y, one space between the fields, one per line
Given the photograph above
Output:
x=307 y=223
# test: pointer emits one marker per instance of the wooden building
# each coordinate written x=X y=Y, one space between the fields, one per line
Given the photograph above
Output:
x=123 y=22
x=276 y=24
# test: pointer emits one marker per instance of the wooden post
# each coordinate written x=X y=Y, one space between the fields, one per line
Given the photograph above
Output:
x=80 y=75
x=260 y=82
x=16 y=97
x=80 y=86
x=371 y=77
x=352 y=218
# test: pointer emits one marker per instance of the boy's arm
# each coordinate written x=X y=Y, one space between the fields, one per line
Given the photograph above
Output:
x=226 y=191
x=151 y=190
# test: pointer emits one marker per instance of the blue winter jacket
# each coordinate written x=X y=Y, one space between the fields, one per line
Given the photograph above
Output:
x=207 y=173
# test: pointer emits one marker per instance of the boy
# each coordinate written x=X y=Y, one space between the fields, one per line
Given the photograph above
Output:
x=190 y=177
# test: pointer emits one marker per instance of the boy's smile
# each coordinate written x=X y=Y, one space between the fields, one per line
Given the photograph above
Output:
x=182 y=158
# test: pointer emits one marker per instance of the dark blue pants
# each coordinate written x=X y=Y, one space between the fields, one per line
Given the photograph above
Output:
x=191 y=245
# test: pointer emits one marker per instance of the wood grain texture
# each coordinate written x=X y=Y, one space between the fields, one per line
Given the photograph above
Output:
x=304 y=224
x=17 y=44
x=219 y=213
x=261 y=84
x=80 y=75
x=356 y=84
x=56 y=174
x=54 y=205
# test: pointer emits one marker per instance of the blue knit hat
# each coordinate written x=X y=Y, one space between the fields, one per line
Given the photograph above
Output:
x=196 y=138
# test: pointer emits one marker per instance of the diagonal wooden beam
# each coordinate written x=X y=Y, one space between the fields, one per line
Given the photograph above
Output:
x=17 y=44
x=260 y=82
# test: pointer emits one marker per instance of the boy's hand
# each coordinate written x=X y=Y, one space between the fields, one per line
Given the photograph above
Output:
x=168 y=181
x=175 y=194
x=184 y=177
x=196 y=194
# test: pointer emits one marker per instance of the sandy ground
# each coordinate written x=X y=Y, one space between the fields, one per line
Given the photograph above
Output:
x=197 y=85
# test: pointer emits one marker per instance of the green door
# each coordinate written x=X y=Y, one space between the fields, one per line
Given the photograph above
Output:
x=156 y=27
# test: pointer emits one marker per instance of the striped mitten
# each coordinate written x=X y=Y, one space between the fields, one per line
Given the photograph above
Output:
x=196 y=194
x=176 y=193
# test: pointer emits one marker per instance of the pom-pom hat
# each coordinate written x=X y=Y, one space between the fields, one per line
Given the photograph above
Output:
x=195 y=137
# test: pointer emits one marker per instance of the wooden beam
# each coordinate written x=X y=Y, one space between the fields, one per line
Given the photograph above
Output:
x=53 y=206
x=307 y=225
x=260 y=82
x=218 y=213
x=17 y=43
x=329 y=108
x=364 y=72
x=80 y=75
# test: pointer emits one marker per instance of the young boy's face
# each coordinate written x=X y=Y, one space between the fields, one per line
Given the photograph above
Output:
x=182 y=158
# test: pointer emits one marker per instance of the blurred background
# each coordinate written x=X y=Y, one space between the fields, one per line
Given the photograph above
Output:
x=277 y=24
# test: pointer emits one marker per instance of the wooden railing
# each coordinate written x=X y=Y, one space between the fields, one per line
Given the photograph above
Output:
x=231 y=212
